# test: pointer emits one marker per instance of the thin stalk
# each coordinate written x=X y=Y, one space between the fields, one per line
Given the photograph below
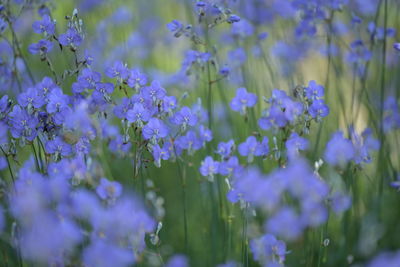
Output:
x=18 y=48
x=47 y=59
x=182 y=175
x=382 y=95
x=328 y=45
x=36 y=158
x=244 y=257
x=363 y=79
x=9 y=165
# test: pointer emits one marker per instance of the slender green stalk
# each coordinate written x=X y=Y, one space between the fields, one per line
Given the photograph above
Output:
x=38 y=168
x=328 y=71
x=182 y=175
x=245 y=256
x=9 y=165
x=382 y=95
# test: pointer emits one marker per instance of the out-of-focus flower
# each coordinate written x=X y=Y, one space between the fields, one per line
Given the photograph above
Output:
x=42 y=47
x=339 y=150
x=209 y=168
x=45 y=26
x=243 y=100
x=267 y=250
x=108 y=189
x=178 y=261
x=155 y=129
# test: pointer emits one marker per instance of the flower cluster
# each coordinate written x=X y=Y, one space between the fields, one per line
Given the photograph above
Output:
x=298 y=181
x=285 y=111
x=54 y=217
x=358 y=148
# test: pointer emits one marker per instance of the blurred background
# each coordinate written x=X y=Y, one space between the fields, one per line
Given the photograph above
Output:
x=272 y=46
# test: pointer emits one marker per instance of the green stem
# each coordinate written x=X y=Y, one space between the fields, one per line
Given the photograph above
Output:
x=182 y=174
x=382 y=95
x=9 y=165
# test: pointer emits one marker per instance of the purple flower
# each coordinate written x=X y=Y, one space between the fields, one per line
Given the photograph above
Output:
x=42 y=47
x=229 y=167
x=121 y=110
x=391 y=119
x=169 y=103
x=262 y=148
x=83 y=145
x=138 y=114
x=70 y=38
x=340 y=202
x=5 y=104
x=339 y=150
x=305 y=28
x=32 y=96
x=89 y=78
x=277 y=97
x=276 y=118
x=46 y=26
x=396 y=183
x=387 y=259
x=237 y=57
x=225 y=149
x=248 y=148
x=178 y=261
x=313 y=213
x=285 y=223
x=3 y=133
x=314 y=90
x=102 y=254
x=209 y=168
x=243 y=100
x=205 y=134
x=47 y=239
x=104 y=88
x=379 y=32
x=255 y=188
x=3 y=25
x=160 y=153
x=102 y=92
x=155 y=129
x=190 y=141
x=292 y=109
x=23 y=124
x=267 y=249
x=318 y=109
x=363 y=145
x=3 y=165
x=233 y=18
x=118 y=70
x=58 y=105
x=153 y=92
x=58 y=146
x=119 y=145
x=295 y=143
x=359 y=53
x=136 y=79
x=224 y=71
x=192 y=57
x=46 y=86
x=396 y=46
x=176 y=27
x=108 y=189
x=184 y=117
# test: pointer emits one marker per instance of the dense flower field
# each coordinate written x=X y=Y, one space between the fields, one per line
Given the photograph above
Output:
x=179 y=133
